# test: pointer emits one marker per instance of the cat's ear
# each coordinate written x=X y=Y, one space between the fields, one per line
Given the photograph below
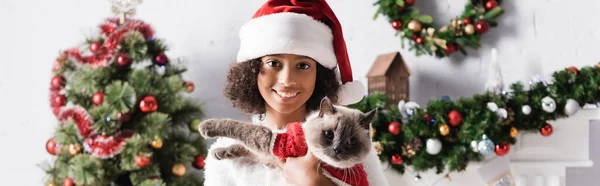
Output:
x=326 y=107
x=367 y=118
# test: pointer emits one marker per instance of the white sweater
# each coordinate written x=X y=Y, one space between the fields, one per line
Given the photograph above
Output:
x=227 y=173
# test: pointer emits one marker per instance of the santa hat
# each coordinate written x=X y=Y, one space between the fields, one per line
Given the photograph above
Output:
x=301 y=27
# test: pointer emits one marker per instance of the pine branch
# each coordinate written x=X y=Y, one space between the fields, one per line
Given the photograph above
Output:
x=154 y=124
x=121 y=96
x=105 y=119
x=86 y=170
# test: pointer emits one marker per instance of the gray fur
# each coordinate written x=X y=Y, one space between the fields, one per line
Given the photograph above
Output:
x=344 y=123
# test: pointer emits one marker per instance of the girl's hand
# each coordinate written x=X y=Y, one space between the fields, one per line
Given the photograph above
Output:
x=304 y=171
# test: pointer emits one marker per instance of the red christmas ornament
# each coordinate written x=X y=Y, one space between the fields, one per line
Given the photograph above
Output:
x=409 y=2
x=199 y=161
x=95 y=46
x=397 y=24
x=98 y=98
x=491 y=4
x=546 y=130
x=161 y=59
x=142 y=161
x=394 y=128
x=481 y=27
x=427 y=118
x=57 y=82
x=58 y=100
x=573 y=70
x=419 y=40
x=189 y=86
x=82 y=119
x=69 y=182
x=124 y=117
x=123 y=60
x=52 y=147
x=148 y=104
x=454 y=118
x=450 y=48
x=397 y=159
x=56 y=110
x=502 y=149
x=467 y=21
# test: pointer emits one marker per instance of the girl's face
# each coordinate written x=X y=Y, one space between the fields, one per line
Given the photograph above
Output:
x=286 y=81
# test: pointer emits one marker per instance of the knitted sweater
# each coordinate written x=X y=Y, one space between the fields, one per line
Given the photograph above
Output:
x=229 y=173
x=292 y=143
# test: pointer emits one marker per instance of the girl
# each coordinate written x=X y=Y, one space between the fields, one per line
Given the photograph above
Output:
x=292 y=54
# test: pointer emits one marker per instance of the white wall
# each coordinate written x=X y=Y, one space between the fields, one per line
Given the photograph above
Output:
x=534 y=37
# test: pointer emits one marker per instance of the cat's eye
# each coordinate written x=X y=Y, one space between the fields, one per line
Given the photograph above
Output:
x=352 y=141
x=328 y=134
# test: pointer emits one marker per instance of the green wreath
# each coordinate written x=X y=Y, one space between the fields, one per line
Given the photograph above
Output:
x=447 y=135
x=463 y=31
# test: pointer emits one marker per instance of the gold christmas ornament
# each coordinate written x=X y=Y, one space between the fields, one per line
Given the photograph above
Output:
x=444 y=129
x=178 y=169
x=514 y=132
x=74 y=149
x=51 y=184
x=458 y=27
x=156 y=143
x=469 y=29
x=411 y=148
x=378 y=147
x=414 y=25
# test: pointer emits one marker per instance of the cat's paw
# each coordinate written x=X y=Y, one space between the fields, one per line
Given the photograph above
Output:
x=224 y=153
x=208 y=128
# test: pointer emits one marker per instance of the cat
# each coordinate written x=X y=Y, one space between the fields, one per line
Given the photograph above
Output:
x=338 y=136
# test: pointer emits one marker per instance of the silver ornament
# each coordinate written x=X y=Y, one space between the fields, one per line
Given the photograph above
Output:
x=433 y=146
x=526 y=109
x=571 y=107
x=548 y=104
x=485 y=146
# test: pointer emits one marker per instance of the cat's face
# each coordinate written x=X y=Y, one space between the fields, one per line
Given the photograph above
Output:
x=339 y=136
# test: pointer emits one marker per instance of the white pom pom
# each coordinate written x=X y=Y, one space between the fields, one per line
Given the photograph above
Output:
x=502 y=113
x=434 y=146
x=571 y=107
x=548 y=104
x=526 y=109
x=351 y=92
x=492 y=106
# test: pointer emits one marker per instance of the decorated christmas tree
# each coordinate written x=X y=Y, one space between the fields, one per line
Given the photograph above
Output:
x=123 y=114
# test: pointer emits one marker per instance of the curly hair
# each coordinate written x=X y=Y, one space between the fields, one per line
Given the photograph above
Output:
x=242 y=88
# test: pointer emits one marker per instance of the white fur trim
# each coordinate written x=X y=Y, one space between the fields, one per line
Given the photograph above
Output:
x=272 y=143
x=287 y=33
x=336 y=181
x=351 y=92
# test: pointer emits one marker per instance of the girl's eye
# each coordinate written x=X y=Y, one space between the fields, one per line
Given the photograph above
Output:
x=303 y=66
x=274 y=63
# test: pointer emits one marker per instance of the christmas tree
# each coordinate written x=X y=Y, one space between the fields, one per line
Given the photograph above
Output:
x=122 y=111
